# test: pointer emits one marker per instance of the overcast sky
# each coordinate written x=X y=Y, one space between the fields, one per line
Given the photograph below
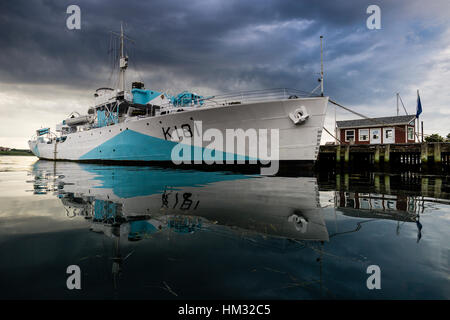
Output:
x=207 y=46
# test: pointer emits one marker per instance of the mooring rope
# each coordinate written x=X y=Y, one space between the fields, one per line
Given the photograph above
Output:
x=350 y=110
x=332 y=135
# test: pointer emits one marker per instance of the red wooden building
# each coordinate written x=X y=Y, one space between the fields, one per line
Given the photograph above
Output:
x=385 y=130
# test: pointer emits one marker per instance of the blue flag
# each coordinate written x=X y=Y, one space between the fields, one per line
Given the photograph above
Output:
x=419 y=106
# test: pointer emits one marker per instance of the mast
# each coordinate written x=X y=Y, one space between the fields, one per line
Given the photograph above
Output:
x=321 y=66
x=123 y=61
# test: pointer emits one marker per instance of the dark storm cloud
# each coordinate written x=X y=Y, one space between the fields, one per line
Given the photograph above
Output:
x=214 y=44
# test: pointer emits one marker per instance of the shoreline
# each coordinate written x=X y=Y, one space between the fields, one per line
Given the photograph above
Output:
x=16 y=153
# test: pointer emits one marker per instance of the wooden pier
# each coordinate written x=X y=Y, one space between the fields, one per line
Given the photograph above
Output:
x=424 y=155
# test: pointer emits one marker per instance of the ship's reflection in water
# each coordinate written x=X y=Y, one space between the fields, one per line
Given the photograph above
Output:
x=165 y=233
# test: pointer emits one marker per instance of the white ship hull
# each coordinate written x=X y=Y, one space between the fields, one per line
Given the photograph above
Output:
x=149 y=138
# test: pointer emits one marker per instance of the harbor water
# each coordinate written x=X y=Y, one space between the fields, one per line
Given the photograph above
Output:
x=169 y=233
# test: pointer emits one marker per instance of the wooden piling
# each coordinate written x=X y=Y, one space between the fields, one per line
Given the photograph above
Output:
x=377 y=154
x=424 y=153
x=338 y=154
x=387 y=153
x=437 y=153
x=347 y=154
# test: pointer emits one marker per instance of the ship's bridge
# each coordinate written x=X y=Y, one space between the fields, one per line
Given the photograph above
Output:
x=108 y=95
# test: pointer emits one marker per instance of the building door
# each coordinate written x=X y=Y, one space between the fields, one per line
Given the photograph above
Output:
x=375 y=135
x=388 y=135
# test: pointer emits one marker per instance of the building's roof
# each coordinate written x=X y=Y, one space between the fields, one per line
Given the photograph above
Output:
x=376 y=122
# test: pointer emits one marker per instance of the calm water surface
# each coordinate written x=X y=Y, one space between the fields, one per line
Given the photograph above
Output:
x=153 y=233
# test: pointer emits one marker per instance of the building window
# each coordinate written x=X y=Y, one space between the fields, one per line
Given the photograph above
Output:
x=349 y=135
x=363 y=134
x=376 y=134
x=410 y=133
x=389 y=133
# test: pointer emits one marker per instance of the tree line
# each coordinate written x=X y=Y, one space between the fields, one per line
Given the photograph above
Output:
x=437 y=138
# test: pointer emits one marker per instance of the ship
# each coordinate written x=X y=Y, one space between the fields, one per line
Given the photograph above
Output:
x=144 y=125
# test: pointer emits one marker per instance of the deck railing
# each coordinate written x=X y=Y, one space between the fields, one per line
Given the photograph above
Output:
x=245 y=97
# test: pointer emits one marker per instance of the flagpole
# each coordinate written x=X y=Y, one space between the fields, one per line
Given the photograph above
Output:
x=418 y=115
x=397 y=104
